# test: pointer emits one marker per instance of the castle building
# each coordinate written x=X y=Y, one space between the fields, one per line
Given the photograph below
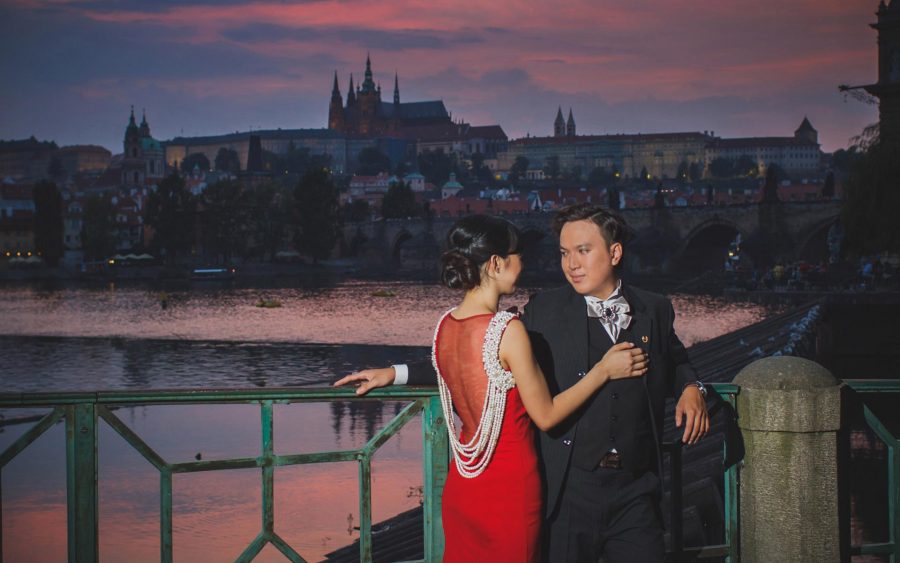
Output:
x=798 y=155
x=365 y=114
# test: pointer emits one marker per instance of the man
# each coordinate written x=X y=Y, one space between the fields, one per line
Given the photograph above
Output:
x=600 y=467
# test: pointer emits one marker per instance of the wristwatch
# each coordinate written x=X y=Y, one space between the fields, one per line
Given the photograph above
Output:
x=699 y=385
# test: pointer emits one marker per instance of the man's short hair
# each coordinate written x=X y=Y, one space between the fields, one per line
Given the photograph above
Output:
x=612 y=225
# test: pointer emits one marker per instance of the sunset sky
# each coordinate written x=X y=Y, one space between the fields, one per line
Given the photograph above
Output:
x=72 y=68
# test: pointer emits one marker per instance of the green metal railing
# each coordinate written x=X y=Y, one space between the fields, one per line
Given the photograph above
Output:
x=81 y=412
x=892 y=443
x=728 y=550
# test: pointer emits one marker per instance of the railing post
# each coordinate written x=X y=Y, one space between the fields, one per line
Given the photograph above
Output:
x=435 y=459
x=789 y=413
x=81 y=482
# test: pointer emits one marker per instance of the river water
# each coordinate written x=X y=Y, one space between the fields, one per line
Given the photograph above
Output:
x=123 y=338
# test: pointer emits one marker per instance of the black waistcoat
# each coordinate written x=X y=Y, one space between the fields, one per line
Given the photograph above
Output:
x=616 y=417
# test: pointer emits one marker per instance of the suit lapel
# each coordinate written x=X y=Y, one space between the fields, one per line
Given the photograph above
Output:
x=640 y=330
x=575 y=328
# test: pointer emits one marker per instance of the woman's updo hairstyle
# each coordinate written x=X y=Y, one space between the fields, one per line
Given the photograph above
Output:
x=470 y=244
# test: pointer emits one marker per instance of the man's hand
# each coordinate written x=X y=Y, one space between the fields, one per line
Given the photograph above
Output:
x=691 y=410
x=368 y=379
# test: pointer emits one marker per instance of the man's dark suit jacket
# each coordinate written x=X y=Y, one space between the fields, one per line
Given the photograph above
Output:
x=556 y=321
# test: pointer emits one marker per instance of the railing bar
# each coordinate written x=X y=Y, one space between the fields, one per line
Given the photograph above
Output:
x=879 y=428
x=253 y=549
x=365 y=509
x=886 y=548
x=31 y=435
x=732 y=499
x=286 y=549
x=81 y=480
x=894 y=499
x=318 y=457
x=874 y=385
x=214 y=465
x=435 y=460
x=268 y=472
x=392 y=427
x=1 y=515
x=165 y=516
x=131 y=437
x=201 y=396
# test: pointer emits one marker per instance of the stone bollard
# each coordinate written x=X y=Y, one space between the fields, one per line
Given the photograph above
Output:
x=789 y=415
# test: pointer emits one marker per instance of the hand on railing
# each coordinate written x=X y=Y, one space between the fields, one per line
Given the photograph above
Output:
x=368 y=379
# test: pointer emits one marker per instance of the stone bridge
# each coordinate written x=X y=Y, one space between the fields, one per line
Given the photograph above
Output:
x=671 y=240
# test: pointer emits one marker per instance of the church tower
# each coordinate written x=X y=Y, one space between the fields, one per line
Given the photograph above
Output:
x=145 y=127
x=806 y=132
x=570 y=125
x=559 y=126
x=132 y=144
x=336 y=107
x=887 y=90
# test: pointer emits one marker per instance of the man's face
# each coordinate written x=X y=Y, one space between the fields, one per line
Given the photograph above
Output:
x=586 y=259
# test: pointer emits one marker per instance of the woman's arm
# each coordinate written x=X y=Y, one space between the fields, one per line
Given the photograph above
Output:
x=622 y=360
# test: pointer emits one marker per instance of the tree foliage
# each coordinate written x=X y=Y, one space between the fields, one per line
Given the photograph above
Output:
x=551 y=167
x=171 y=212
x=48 y=222
x=318 y=220
x=98 y=228
x=227 y=160
x=871 y=201
x=372 y=162
x=197 y=158
x=436 y=166
x=722 y=167
x=271 y=210
x=399 y=202
x=518 y=170
x=224 y=219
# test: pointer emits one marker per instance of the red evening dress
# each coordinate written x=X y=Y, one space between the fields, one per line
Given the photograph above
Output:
x=494 y=516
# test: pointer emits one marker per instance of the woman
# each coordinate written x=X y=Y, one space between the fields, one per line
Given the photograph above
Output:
x=489 y=378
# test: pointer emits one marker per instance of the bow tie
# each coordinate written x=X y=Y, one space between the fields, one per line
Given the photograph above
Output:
x=614 y=313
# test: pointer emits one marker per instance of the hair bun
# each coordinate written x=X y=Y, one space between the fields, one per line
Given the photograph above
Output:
x=458 y=271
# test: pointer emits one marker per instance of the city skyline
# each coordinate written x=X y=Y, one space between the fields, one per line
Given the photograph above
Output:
x=203 y=68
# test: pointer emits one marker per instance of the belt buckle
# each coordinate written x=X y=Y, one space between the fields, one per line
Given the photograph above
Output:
x=610 y=460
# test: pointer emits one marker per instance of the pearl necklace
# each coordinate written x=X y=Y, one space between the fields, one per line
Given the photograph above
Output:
x=473 y=457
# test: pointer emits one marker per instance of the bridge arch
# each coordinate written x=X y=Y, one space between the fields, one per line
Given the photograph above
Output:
x=813 y=242
x=706 y=246
x=415 y=252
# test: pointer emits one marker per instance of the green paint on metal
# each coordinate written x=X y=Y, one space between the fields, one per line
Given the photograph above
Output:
x=732 y=500
x=874 y=385
x=81 y=479
x=268 y=471
x=31 y=435
x=165 y=515
x=253 y=549
x=391 y=428
x=129 y=436
x=285 y=549
x=436 y=453
x=365 y=509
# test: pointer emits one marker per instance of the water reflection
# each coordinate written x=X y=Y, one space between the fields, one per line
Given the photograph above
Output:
x=120 y=338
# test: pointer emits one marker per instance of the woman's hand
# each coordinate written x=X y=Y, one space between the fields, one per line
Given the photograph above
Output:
x=623 y=360
x=368 y=379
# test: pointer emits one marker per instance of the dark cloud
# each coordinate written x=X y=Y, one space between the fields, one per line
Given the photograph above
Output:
x=367 y=38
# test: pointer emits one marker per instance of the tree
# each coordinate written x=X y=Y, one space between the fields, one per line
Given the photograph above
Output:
x=227 y=160
x=372 y=162
x=599 y=176
x=518 y=170
x=777 y=171
x=871 y=201
x=695 y=171
x=270 y=208
x=551 y=167
x=828 y=186
x=197 y=158
x=722 y=167
x=399 y=202
x=356 y=211
x=645 y=175
x=481 y=172
x=316 y=203
x=746 y=166
x=436 y=166
x=98 y=228
x=48 y=222
x=224 y=219
x=171 y=212
x=55 y=168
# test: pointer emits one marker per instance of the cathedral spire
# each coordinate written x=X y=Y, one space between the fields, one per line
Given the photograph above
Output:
x=351 y=93
x=131 y=122
x=396 y=88
x=570 y=125
x=368 y=84
x=335 y=89
x=145 y=127
x=559 y=124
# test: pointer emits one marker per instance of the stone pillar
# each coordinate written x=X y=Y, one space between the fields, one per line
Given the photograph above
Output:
x=789 y=415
